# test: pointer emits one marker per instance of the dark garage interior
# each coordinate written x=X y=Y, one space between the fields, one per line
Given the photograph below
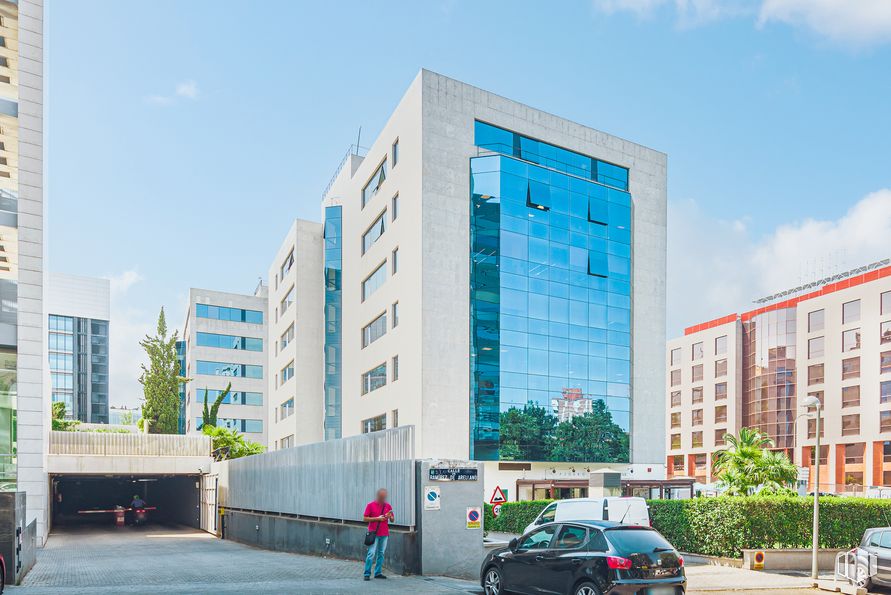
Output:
x=175 y=497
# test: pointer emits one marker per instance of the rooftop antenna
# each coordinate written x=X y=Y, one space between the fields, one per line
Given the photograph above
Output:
x=358 y=140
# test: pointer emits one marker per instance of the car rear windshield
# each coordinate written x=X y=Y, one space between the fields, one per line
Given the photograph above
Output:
x=632 y=540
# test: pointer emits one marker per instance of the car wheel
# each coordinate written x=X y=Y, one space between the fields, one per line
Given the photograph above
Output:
x=586 y=588
x=492 y=584
x=862 y=578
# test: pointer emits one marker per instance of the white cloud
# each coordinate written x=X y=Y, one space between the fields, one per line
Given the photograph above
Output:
x=717 y=267
x=185 y=89
x=849 y=22
x=854 y=22
x=122 y=283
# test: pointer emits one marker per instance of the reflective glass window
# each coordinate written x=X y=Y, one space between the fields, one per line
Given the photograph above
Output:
x=851 y=312
x=375 y=231
x=374 y=183
x=374 y=281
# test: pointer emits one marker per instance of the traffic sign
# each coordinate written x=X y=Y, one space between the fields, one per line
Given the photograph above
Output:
x=497 y=496
x=496 y=510
x=474 y=517
x=758 y=561
x=432 y=498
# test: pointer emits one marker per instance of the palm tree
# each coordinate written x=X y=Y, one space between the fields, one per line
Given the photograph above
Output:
x=746 y=463
x=776 y=470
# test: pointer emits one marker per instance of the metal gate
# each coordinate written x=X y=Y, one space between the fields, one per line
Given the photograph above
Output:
x=208 y=506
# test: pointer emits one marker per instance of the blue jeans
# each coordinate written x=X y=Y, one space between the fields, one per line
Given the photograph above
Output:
x=378 y=547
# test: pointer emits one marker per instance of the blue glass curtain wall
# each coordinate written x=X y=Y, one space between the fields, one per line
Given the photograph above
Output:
x=550 y=315
x=333 y=307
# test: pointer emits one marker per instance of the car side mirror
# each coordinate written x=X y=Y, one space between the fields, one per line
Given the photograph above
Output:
x=513 y=544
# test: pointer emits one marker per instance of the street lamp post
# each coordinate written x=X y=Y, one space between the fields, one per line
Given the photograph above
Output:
x=813 y=401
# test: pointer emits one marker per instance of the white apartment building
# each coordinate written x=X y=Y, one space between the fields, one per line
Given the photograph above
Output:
x=225 y=338
x=831 y=339
x=487 y=269
x=295 y=337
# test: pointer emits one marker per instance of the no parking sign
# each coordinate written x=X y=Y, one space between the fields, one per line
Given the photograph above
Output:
x=474 y=517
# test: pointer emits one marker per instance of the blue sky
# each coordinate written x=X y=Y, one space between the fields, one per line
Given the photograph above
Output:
x=183 y=137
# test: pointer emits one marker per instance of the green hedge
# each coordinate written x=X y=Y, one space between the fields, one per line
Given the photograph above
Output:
x=724 y=526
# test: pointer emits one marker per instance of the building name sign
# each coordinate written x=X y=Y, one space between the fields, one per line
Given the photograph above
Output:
x=453 y=474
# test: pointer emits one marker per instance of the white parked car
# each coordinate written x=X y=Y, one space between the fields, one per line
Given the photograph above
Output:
x=626 y=510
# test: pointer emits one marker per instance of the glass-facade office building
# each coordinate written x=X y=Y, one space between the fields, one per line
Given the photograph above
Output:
x=333 y=309
x=78 y=361
x=550 y=302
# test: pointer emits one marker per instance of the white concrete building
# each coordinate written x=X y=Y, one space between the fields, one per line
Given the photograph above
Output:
x=295 y=337
x=78 y=344
x=831 y=339
x=418 y=317
x=225 y=342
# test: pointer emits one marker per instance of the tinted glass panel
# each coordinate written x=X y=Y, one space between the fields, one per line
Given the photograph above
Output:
x=632 y=540
x=570 y=538
x=538 y=540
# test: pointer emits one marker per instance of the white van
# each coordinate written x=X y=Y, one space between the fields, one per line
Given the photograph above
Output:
x=626 y=510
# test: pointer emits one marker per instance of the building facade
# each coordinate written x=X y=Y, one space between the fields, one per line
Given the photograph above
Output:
x=78 y=352
x=831 y=339
x=484 y=253
x=294 y=341
x=225 y=343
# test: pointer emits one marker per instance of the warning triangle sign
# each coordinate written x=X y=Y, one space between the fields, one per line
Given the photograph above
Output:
x=497 y=496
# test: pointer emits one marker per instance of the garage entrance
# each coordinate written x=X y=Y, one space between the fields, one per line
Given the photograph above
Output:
x=79 y=500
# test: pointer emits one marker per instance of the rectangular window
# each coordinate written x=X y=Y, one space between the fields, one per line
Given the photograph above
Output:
x=394 y=261
x=720 y=368
x=675 y=377
x=886 y=303
x=287 y=336
x=374 y=378
x=675 y=441
x=395 y=152
x=374 y=424
x=815 y=374
x=824 y=452
x=719 y=436
x=851 y=339
x=395 y=363
x=676 y=398
x=815 y=321
x=697 y=351
x=394 y=209
x=287 y=372
x=374 y=232
x=225 y=369
x=812 y=429
x=851 y=312
x=884 y=362
x=885 y=422
x=885 y=391
x=676 y=419
x=885 y=332
x=721 y=345
x=851 y=396
x=697 y=439
x=287 y=301
x=721 y=414
x=815 y=347
x=233 y=398
x=395 y=314
x=697 y=372
x=286 y=409
x=676 y=356
x=287 y=264
x=374 y=330
x=720 y=391
x=854 y=453
x=228 y=341
x=850 y=368
x=374 y=281
x=850 y=424
x=697 y=395
x=230 y=314
x=374 y=183
x=394 y=415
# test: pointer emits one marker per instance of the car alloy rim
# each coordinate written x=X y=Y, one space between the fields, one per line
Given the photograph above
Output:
x=493 y=583
x=586 y=590
x=861 y=576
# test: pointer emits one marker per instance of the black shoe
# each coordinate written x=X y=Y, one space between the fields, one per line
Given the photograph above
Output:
x=379 y=576
x=367 y=578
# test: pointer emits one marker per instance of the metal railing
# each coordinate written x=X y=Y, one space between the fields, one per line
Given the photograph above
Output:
x=133 y=445
x=353 y=150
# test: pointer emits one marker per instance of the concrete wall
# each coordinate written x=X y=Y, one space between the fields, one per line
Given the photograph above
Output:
x=81 y=297
x=19 y=560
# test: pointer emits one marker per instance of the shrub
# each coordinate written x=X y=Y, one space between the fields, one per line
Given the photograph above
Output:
x=514 y=516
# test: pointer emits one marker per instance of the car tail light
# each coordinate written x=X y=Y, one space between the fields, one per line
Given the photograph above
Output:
x=617 y=563
x=680 y=561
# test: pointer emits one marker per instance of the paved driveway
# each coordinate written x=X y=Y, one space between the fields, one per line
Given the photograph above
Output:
x=176 y=560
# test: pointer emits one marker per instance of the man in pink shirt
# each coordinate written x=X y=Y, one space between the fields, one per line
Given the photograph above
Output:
x=378 y=515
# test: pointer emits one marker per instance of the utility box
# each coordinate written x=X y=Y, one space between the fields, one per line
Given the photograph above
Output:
x=603 y=483
x=450 y=517
x=17 y=539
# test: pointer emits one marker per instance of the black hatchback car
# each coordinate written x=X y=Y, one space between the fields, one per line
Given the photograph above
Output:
x=585 y=558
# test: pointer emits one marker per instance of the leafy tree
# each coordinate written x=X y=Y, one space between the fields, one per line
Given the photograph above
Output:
x=591 y=437
x=209 y=415
x=127 y=418
x=229 y=444
x=527 y=433
x=160 y=381
x=746 y=464
x=59 y=423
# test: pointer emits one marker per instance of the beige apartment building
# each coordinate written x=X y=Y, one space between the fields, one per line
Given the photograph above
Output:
x=831 y=339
